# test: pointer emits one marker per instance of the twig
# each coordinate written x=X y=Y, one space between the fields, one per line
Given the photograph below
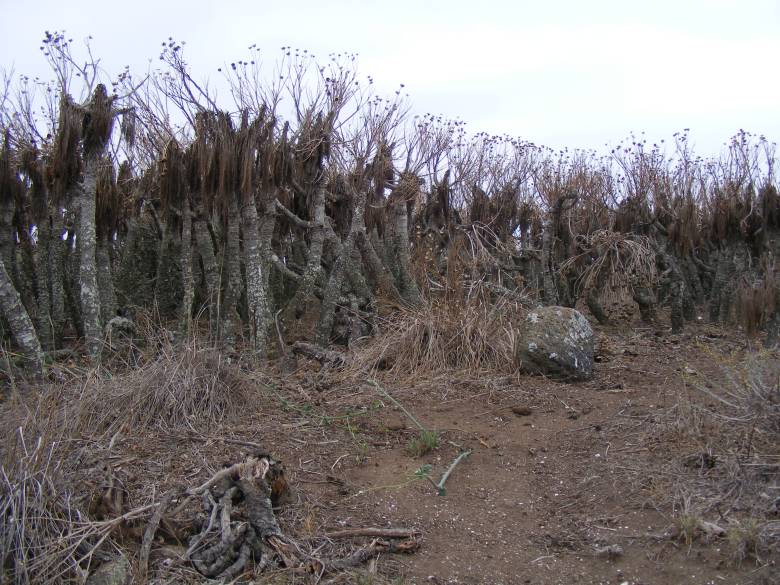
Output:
x=453 y=465
x=384 y=393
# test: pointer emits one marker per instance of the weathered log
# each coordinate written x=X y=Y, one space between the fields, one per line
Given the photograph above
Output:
x=325 y=356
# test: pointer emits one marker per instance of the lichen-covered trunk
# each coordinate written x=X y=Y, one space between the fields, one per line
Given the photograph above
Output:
x=256 y=281
x=70 y=274
x=344 y=265
x=548 y=277
x=305 y=291
x=406 y=283
x=188 y=283
x=722 y=285
x=231 y=275
x=210 y=273
x=20 y=323
x=8 y=239
x=593 y=296
x=44 y=324
x=105 y=280
x=88 y=280
x=55 y=260
x=643 y=297
x=381 y=277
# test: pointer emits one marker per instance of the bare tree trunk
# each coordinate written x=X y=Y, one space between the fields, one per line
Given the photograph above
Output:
x=593 y=300
x=548 y=280
x=256 y=281
x=46 y=333
x=382 y=279
x=90 y=295
x=407 y=285
x=211 y=273
x=7 y=238
x=231 y=267
x=55 y=260
x=105 y=278
x=161 y=294
x=644 y=298
x=188 y=284
x=344 y=264
x=20 y=323
x=305 y=290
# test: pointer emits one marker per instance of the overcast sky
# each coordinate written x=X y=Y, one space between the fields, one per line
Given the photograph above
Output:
x=560 y=73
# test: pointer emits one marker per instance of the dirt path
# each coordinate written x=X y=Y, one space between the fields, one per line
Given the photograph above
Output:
x=558 y=488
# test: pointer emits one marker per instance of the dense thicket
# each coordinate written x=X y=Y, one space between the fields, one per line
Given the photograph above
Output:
x=298 y=207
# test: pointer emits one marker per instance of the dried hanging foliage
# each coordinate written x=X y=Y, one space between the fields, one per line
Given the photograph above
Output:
x=97 y=122
x=107 y=202
x=684 y=229
x=757 y=300
x=633 y=215
x=620 y=261
x=66 y=164
x=10 y=185
x=173 y=190
x=31 y=164
x=770 y=207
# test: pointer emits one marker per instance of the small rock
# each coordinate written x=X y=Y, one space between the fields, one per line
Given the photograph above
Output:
x=522 y=410
x=113 y=572
x=609 y=552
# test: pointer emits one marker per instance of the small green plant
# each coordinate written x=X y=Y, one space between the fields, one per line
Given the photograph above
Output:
x=424 y=443
x=687 y=528
x=745 y=539
x=362 y=451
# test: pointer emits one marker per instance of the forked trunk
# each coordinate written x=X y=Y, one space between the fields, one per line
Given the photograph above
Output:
x=305 y=291
x=344 y=265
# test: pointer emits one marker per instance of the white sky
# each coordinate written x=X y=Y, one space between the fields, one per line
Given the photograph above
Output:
x=560 y=73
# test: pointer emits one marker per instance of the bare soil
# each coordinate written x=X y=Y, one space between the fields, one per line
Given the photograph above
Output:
x=567 y=483
x=559 y=472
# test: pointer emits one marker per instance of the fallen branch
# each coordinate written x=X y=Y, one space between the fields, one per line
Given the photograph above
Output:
x=322 y=355
x=375 y=532
x=362 y=555
x=151 y=530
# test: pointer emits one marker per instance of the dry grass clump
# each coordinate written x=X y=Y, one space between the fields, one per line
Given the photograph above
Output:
x=750 y=402
x=733 y=473
x=183 y=386
x=44 y=537
x=476 y=334
x=756 y=302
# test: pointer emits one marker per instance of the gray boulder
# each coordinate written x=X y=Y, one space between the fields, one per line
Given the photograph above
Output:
x=557 y=342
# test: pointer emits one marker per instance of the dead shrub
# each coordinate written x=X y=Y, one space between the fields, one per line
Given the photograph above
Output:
x=756 y=302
